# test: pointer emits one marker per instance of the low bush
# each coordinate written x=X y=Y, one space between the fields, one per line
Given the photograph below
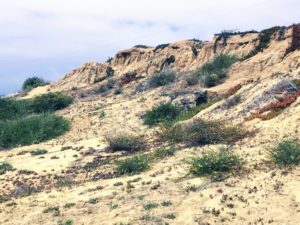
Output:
x=4 y=167
x=125 y=142
x=33 y=82
x=31 y=130
x=133 y=165
x=163 y=78
x=213 y=72
x=213 y=162
x=286 y=153
x=106 y=87
x=202 y=132
x=50 y=102
x=163 y=113
x=39 y=152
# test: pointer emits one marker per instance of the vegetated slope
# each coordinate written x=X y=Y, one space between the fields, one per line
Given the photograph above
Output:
x=82 y=178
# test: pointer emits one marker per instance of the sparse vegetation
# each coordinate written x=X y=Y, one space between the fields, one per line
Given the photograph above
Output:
x=163 y=78
x=125 y=142
x=212 y=162
x=33 y=82
x=4 y=167
x=164 y=152
x=264 y=40
x=53 y=210
x=32 y=130
x=202 y=132
x=213 y=72
x=104 y=88
x=68 y=222
x=286 y=153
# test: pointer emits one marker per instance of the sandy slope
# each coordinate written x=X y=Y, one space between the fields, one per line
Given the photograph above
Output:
x=260 y=194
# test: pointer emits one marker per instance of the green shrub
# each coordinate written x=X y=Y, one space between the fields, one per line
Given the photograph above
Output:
x=39 y=152
x=213 y=162
x=133 y=165
x=50 y=102
x=125 y=142
x=31 y=130
x=286 y=153
x=163 y=78
x=4 y=167
x=213 y=72
x=163 y=113
x=202 y=132
x=33 y=82
x=12 y=109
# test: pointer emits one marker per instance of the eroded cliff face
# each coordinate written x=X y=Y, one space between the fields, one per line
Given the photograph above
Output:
x=179 y=56
x=188 y=55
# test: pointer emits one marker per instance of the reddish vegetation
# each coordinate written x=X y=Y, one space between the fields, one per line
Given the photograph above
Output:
x=274 y=108
x=295 y=45
x=232 y=90
x=127 y=78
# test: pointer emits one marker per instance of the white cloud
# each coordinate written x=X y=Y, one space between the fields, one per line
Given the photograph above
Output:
x=80 y=30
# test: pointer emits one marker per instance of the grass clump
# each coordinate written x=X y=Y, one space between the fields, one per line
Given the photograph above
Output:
x=33 y=82
x=39 y=152
x=125 y=142
x=202 y=132
x=286 y=153
x=4 y=167
x=163 y=78
x=162 y=113
x=32 y=130
x=213 y=72
x=133 y=165
x=214 y=162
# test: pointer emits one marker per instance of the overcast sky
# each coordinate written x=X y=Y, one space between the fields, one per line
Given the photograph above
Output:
x=48 y=38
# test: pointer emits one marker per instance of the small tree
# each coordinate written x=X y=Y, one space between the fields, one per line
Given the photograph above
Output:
x=33 y=82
